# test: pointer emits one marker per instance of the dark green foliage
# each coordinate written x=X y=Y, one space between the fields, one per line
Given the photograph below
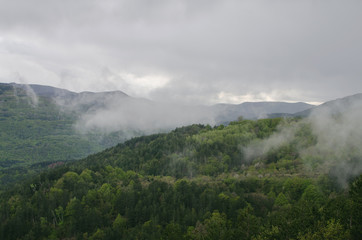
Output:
x=192 y=183
x=356 y=207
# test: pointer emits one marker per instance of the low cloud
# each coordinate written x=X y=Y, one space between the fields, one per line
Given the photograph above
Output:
x=336 y=127
x=115 y=111
x=142 y=116
x=339 y=137
x=32 y=99
x=258 y=148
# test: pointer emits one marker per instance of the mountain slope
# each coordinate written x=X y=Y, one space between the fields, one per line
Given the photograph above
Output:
x=338 y=106
x=256 y=110
x=45 y=91
x=36 y=131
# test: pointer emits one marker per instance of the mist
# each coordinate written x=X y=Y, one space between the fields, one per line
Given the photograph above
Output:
x=339 y=138
x=114 y=111
x=32 y=99
x=258 y=148
x=109 y=112
x=142 y=115
x=337 y=130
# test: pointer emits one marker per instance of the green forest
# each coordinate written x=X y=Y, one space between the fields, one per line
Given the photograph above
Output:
x=36 y=133
x=195 y=182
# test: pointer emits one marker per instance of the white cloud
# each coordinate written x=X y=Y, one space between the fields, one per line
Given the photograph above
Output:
x=282 y=95
x=142 y=85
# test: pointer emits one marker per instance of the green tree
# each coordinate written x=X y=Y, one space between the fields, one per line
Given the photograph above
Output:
x=332 y=231
x=281 y=200
x=355 y=193
x=217 y=227
x=247 y=224
x=312 y=195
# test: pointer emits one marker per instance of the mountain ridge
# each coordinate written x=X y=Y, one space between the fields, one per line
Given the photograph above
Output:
x=334 y=106
x=118 y=102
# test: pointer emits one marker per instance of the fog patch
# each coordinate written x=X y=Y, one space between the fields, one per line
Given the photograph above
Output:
x=141 y=115
x=339 y=138
x=336 y=128
x=258 y=148
x=32 y=99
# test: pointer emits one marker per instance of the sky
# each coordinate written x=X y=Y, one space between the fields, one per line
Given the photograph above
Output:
x=187 y=51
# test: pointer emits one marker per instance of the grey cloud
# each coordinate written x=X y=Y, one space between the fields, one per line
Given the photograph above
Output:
x=310 y=48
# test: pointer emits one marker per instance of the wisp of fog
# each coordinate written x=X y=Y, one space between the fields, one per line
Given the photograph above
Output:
x=338 y=132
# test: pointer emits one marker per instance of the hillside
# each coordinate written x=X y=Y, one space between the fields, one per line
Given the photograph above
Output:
x=43 y=125
x=36 y=132
x=265 y=179
x=338 y=106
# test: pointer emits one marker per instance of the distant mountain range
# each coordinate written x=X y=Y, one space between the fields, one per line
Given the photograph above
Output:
x=119 y=110
x=215 y=114
x=338 y=106
x=222 y=113
x=257 y=110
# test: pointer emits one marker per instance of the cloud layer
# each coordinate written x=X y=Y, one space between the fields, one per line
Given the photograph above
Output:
x=188 y=51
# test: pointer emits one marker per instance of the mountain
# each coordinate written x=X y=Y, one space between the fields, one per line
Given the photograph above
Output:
x=70 y=100
x=36 y=131
x=338 y=106
x=45 y=91
x=215 y=114
x=256 y=110
x=116 y=111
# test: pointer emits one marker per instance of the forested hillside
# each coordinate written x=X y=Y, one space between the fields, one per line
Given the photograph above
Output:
x=43 y=126
x=265 y=179
x=36 y=132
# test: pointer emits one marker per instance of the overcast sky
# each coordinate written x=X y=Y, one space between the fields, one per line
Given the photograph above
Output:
x=199 y=51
